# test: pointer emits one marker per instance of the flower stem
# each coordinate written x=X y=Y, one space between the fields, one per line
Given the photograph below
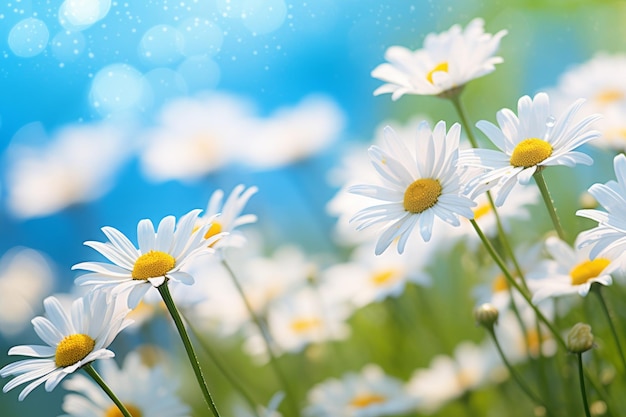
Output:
x=543 y=187
x=96 y=377
x=498 y=260
x=514 y=373
x=458 y=106
x=596 y=288
x=268 y=343
x=191 y=354
x=583 y=392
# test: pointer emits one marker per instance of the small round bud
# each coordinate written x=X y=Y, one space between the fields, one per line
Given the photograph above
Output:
x=587 y=201
x=486 y=315
x=579 y=338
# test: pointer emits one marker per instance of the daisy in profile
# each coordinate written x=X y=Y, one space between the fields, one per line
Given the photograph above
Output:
x=74 y=337
x=161 y=255
x=144 y=391
x=447 y=61
x=369 y=393
x=608 y=239
x=527 y=142
x=570 y=272
x=225 y=216
x=418 y=184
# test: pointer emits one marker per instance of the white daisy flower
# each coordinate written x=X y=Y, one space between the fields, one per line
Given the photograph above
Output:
x=570 y=272
x=225 y=216
x=144 y=391
x=418 y=184
x=447 y=61
x=370 y=393
x=608 y=239
x=527 y=142
x=74 y=337
x=160 y=256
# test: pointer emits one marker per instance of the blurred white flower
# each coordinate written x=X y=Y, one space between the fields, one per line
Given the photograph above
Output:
x=448 y=60
x=368 y=278
x=601 y=82
x=77 y=166
x=521 y=343
x=195 y=137
x=26 y=277
x=570 y=272
x=292 y=134
x=143 y=390
x=370 y=393
x=449 y=377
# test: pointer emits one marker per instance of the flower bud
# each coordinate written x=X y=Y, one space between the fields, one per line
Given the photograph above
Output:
x=486 y=315
x=580 y=338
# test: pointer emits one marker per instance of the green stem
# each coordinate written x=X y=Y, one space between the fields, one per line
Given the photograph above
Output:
x=96 y=377
x=514 y=374
x=268 y=343
x=191 y=354
x=583 y=392
x=225 y=372
x=498 y=260
x=458 y=106
x=543 y=187
x=597 y=288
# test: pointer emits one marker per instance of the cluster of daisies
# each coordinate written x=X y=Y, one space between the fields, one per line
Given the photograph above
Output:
x=428 y=190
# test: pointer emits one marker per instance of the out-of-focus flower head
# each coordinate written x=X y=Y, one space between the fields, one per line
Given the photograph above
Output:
x=447 y=61
x=77 y=166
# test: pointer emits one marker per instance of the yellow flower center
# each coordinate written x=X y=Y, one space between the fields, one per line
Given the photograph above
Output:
x=499 y=284
x=442 y=66
x=386 y=276
x=365 y=400
x=113 y=411
x=73 y=348
x=305 y=324
x=481 y=210
x=421 y=195
x=213 y=230
x=586 y=270
x=153 y=264
x=609 y=96
x=530 y=152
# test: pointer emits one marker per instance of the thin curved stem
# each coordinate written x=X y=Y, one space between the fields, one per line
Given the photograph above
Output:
x=581 y=377
x=514 y=373
x=98 y=379
x=597 y=289
x=191 y=354
x=458 y=106
x=543 y=188
x=266 y=339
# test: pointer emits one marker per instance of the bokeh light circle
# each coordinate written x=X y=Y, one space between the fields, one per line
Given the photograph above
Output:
x=116 y=88
x=28 y=38
x=161 y=45
x=263 y=16
x=201 y=36
x=165 y=84
x=80 y=14
x=67 y=45
x=200 y=72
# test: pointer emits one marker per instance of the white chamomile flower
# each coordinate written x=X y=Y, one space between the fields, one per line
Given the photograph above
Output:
x=570 y=272
x=527 y=142
x=608 y=239
x=144 y=391
x=369 y=393
x=160 y=256
x=418 y=184
x=447 y=61
x=225 y=216
x=74 y=337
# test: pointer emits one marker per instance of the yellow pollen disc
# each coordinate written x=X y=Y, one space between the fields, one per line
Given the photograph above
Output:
x=442 y=66
x=530 y=152
x=365 y=400
x=422 y=195
x=72 y=349
x=305 y=325
x=213 y=230
x=609 y=96
x=586 y=270
x=499 y=284
x=481 y=211
x=113 y=411
x=384 y=277
x=533 y=342
x=153 y=264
